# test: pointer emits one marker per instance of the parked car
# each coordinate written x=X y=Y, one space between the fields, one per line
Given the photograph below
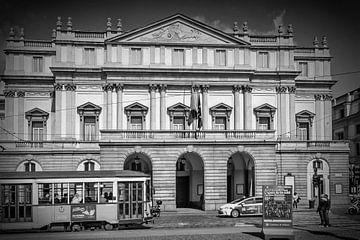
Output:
x=251 y=206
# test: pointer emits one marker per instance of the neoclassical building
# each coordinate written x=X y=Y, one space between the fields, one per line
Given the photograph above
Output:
x=117 y=99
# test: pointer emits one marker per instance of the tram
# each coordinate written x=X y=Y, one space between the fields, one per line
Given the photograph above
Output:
x=74 y=199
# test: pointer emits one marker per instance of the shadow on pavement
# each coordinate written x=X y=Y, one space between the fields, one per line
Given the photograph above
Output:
x=323 y=233
x=255 y=234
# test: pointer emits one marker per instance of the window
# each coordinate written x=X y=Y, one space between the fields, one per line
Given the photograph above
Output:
x=44 y=193
x=179 y=123
x=358 y=129
x=303 y=67
x=61 y=193
x=303 y=131
x=89 y=128
x=358 y=149
x=135 y=56
x=37 y=123
x=263 y=61
x=342 y=113
x=264 y=123
x=91 y=193
x=16 y=203
x=37 y=131
x=38 y=64
x=89 y=166
x=76 y=193
x=220 y=123
x=136 y=123
x=178 y=57
x=89 y=56
x=339 y=135
x=30 y=167
x=220 y=57
x=89 y=121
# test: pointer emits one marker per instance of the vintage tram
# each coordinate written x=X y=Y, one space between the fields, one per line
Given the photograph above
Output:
x=74 y=200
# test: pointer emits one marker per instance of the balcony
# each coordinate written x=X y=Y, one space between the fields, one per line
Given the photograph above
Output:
x=314 y=146
x=186 y=135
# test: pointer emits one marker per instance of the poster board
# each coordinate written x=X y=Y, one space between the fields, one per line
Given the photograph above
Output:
x=83 y=212
x=277 y=206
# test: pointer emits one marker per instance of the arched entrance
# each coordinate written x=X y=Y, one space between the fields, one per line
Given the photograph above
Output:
x=322 y=172
x=240 y=176
x=190 y=181
x=138 y=162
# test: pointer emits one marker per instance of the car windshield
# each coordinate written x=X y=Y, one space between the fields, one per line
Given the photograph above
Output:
x=237 y=200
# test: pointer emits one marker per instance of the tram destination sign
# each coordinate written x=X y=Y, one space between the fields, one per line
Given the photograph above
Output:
x=277 y=206
x=83 y=212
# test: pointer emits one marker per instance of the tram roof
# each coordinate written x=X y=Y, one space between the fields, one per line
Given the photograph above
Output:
x=72 y=174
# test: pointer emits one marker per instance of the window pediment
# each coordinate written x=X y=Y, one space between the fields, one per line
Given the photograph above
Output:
x=37 y=113
x=179 y=108
x=89 y=108
x=266 y=108
x=305 y=116
x=136 y=107
x=221 y=109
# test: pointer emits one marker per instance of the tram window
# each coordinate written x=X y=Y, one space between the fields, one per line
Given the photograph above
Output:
x=106 y=192
x=122 y=189
x=76 y=192
x=91 y=192
x=60 y=193
x=44 y=193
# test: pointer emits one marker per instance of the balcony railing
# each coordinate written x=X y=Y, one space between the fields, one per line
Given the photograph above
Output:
x=331 y=145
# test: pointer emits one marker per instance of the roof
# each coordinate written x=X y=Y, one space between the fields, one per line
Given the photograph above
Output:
x=71 y=174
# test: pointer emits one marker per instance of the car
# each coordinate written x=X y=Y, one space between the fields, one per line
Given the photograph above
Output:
x=251 y=206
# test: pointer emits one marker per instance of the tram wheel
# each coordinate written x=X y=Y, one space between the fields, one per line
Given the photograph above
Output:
x=76 y=227
x=108 y=226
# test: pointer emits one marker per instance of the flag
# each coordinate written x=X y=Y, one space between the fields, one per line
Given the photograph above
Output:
x=199 y=118
x=193 y=108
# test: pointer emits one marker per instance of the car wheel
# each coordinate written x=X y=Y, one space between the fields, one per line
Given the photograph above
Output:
x=352 y=211
x=235 y=213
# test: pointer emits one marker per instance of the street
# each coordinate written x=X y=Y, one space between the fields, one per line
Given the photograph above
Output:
x=206 y=225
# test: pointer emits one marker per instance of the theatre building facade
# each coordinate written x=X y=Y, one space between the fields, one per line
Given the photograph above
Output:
x=91 y=101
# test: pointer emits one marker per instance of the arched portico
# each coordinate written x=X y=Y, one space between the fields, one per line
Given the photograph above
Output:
x=322 y=171
x=138 y=162
x=190 y=181
x=240 y=176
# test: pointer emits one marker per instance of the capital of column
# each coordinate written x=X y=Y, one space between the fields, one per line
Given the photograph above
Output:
x=281 y=89
x=237 y=88
x=119 y=87
x=246 y=89
x=152 y=88
x=205 y=88
x=70 y=87
x=58 y=87
x=21 y=93
x=163 y=88
x=108 y=87
x=327 y=97
x=291 y=89
x=9 y=93
x=195 y=88
x=317 y=97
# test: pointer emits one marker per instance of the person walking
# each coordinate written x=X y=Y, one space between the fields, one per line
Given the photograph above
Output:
x=323 y=210
x=296 y=200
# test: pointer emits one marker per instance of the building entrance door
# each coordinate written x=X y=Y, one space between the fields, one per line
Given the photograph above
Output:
x=182 y=192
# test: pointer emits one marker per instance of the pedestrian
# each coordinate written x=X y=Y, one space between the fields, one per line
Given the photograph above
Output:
x=296 y=200
x=323 y=210
x=76 y=198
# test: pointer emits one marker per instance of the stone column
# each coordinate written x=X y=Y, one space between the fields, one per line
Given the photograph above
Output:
x=105 y=104
x=281 y=111
x=21 y=118
x=292 y=120
x=152 y=90
x=205 y=106
x=9 y=113
x=109 y=106
x=120 y=106
x=163 y=106
x=247 y=107
x=70 y=107
x=236 y=91
x=327 y=117
x=318 y=118
x=58 y=109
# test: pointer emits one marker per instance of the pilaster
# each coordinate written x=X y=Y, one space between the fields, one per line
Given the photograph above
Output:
x=292 y=120
x=319 y=130
x=9 y=113
x=247 y=107
x=152 y=90
x=119 y=88
x=162 y=90
x=236 y=91
x=21 y=119
x=205 y=106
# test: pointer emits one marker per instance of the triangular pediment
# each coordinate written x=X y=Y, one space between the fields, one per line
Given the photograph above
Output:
x=89 y=107
x=305 y=114
x=36 y=112
x=179 y=107
x=265 y=108
x=221 y=107
x=178 y=29
x=136 y=107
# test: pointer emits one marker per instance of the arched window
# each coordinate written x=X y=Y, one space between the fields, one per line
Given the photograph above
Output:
x=29 y=166
x=88 y=165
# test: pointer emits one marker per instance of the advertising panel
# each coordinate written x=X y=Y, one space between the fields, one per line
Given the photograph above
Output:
x=83 y=212
x=277 y=204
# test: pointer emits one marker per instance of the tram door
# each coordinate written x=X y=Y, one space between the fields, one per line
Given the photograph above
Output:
x=131 y=200
x=16 y=203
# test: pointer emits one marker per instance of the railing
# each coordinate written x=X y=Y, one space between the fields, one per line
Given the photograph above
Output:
x=90 y=35
x=305 y=50
x=39 y=44
x=264 y=39
x=119 y=135
x=331 y=145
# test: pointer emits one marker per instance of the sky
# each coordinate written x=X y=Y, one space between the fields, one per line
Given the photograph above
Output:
x=339 y=21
